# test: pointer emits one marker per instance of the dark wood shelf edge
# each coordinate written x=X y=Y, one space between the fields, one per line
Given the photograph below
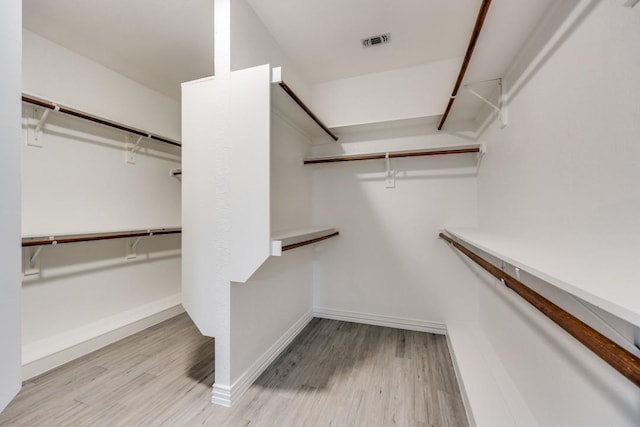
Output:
x=90 y=237
x=307 y=110
x=616 y=356
x=309 y=242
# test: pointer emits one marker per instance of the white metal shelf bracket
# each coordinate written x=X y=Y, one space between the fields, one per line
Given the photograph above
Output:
x=480 y=156
x=390 y=177
x=131 y=246
x=500 y=109
x=132 y=148
x=35 y=137
x=31 y=261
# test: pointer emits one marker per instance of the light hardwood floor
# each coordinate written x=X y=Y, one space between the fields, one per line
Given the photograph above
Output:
x=333 y=374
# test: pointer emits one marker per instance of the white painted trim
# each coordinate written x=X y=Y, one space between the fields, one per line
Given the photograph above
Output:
x=227 y=396
x=46 y=354
x=490 y=397
x=378 y=320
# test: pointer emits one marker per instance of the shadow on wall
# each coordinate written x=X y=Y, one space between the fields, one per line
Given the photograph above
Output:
x=60 y=262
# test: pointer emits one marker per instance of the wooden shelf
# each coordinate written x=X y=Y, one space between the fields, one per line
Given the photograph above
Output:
x=95 y=119
x=284 y=240
x=606 y=280
x=289 y=104
x=90 y=237
x=394 y=154
x=409 y=122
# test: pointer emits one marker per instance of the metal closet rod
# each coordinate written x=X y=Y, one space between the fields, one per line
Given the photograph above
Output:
x=482 y=14
x=620 y=359
x=74 y=238
x=106 y=122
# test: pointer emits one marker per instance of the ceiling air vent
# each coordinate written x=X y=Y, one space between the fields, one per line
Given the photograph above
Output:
x=376 y=40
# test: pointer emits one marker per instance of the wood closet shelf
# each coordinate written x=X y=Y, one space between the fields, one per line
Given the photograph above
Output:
x=393 y=154
x=473 y=40
x=616 y=356
x=95 y=119
x=298 y=112
x=606 y=280
x=284 y=240
x=90 y=237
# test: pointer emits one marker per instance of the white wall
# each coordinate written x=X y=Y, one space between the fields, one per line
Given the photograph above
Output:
x=10 y=378
x=78 y=182
x=253 y=45
x=278 y=295
x=389 y=261
x=398 y=94
x=267 y=309
x=63 y=76
x=388 y=266
x=565 y=172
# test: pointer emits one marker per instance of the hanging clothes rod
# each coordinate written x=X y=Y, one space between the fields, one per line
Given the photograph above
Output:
x=309 y=242
x=482 y=14
x=306 y=109
x=620 y=359
x=391 y=155
x=75 y=238
x=106 y=122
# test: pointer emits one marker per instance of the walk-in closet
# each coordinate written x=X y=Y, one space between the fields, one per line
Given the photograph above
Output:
x=279 y=212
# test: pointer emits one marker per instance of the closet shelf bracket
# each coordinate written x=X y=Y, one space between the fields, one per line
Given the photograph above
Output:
x=132 y=148
x=500 y=108
x=131 y=246
x=31 y=261
x=390 y=177
x=35 y=136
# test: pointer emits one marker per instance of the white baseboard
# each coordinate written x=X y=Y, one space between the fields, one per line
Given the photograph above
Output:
x=378 y=320
x=490 y=397
x=227 y=396
x=46 y=354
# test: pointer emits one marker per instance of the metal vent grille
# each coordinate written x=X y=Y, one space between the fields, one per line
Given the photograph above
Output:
x=376 y=40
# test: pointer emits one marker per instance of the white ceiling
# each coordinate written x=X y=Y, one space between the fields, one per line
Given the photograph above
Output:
x=159 y=43
x=324 y=36
x=162 y=43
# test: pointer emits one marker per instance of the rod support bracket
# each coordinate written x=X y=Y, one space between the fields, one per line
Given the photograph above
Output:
x=390 y=174
x=499 y=108
x=131 y=148
x=131 y=247
x=31 y=261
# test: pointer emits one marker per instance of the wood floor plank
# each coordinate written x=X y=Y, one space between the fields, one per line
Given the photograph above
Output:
x=333 y=374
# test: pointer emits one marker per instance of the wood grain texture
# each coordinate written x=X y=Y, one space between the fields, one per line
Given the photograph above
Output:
x=309 y=242
x=473 y=40
x=392 y=155
x=334 y=373
x=307 y=110
x=617 y=357
x=90 y=237
x=95 y=119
